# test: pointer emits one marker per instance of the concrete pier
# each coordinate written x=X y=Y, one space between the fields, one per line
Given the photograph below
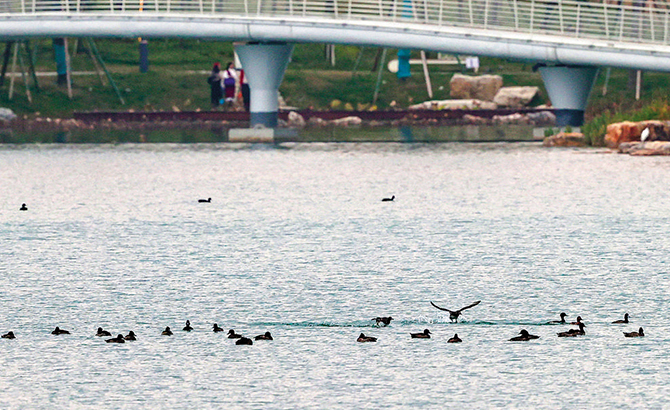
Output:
x=569 y=88
x=264 y=65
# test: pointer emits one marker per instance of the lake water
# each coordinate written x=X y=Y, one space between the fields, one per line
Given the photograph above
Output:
x=296 y=241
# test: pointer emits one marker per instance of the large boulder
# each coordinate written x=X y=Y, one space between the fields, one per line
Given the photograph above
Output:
x=628 y=131
x=645 y=148
x=621 y=132
x=515 y=97
x=483 y=87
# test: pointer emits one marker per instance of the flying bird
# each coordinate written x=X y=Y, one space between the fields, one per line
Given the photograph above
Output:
x=454 y=314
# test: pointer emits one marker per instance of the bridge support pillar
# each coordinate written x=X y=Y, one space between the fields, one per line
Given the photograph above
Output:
x=569 y=88
x=264 y=65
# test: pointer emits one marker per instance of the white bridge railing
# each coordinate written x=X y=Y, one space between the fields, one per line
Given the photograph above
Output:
x=639 y=21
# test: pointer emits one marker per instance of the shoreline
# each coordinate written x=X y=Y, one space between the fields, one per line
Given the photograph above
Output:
x=313 y=126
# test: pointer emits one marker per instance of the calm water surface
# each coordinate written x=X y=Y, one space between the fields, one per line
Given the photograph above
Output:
x=297 y=242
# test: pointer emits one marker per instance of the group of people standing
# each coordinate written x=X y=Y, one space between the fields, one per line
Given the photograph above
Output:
x=225 y=85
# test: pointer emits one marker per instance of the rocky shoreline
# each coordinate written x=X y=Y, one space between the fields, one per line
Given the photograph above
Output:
x=645 y=138
x=15 y=129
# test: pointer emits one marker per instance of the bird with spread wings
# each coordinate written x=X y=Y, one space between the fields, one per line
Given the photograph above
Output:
x=454 y=314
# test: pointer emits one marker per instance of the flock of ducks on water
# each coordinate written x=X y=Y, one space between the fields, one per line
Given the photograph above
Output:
x=241 y=340
x=523 y=336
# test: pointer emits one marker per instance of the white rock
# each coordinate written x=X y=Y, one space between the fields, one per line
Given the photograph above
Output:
x=515 y=96
x=295 y=119
x=6 y=114
x=347 y=121
x=468 y=104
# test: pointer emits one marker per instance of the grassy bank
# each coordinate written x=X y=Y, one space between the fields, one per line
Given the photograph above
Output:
x=178 y=69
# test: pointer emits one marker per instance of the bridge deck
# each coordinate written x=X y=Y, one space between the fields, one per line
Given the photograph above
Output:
x=634 y=34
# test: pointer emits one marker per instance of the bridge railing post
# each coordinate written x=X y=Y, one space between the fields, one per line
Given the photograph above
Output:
x=440 y=11
x=472 y=19
x=606 y=15
x=577 y=20
x=651 y=22
x=621 y=22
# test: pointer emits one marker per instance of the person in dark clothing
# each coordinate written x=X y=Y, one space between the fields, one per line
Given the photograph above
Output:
x=214 y=81
x=246 y=92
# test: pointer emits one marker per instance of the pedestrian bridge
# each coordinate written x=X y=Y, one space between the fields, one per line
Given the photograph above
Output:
x=631 y=34
x=635 y=36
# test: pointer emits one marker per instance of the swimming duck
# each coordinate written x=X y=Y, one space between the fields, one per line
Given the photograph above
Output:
x=423 y=335
x=167 y=331
x=102 y=332
x=454 y=314
x=524 y=336
x=9 y=335
x=266 y=336
x=639 y=333
x=562 y=315
x=233 y=335
x=205 y=200
x=59 y=331
x=579 y=320
x=573 y=332
x=188 y=327
x=455 y=339
x=131 y=336
x=23 y=207
x=625 y=319
x=389 y=199
x=243 y=341
x=362 y=338
x=117 y=339
x=216 y=328
x=384 y=320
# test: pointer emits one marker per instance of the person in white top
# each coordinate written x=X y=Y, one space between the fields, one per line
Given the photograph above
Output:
x=229 y=82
